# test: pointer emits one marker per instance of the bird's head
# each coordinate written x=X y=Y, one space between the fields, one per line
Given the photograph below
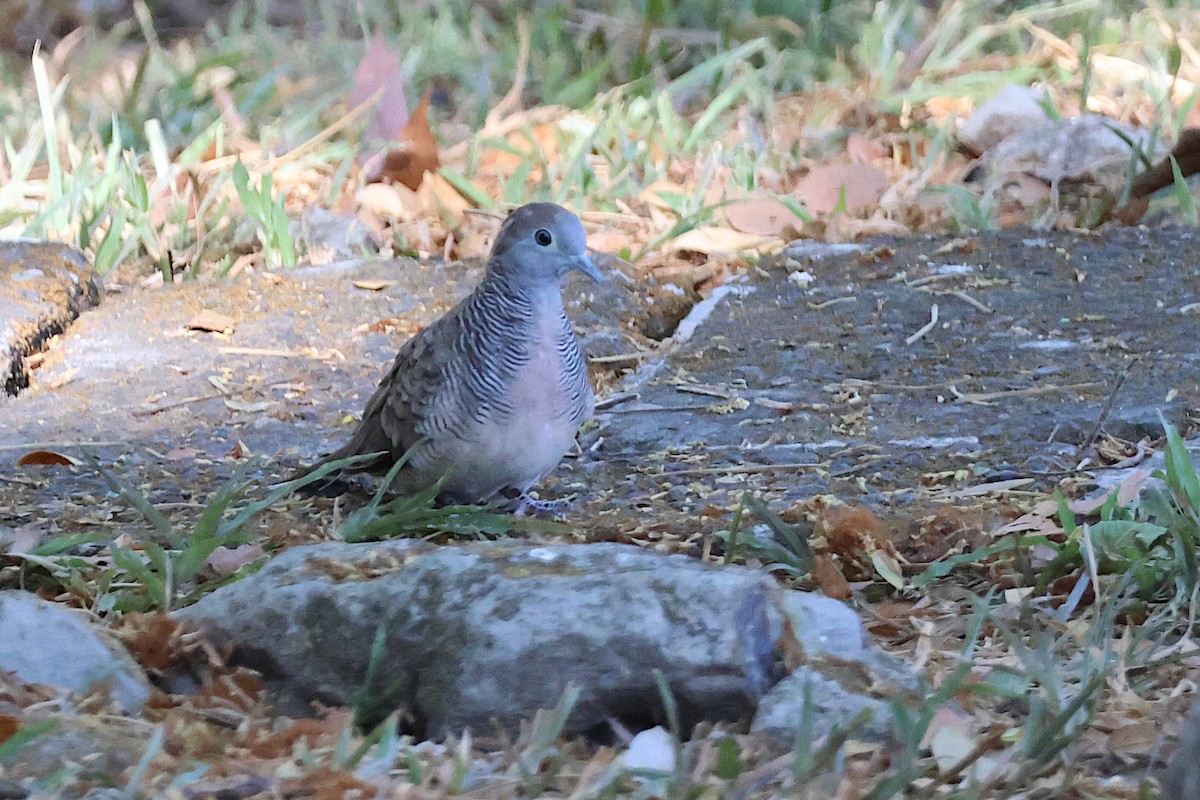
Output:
x=539 y=243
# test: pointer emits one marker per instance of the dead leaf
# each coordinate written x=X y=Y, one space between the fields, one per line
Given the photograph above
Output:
x=437 y=193
x=390 y=201
x=47 y=458
x=211 y=322
x=380 y=70
x=417 y=152
x=155 y=640
x=829 y=578
x=949 y=737
x=862 y=150
x=372 y=286
x=8 y=726
x=327 y=782
x=1137 y=737
x=315 y=731
x=22 y=539
x=821 y=188
x=225 y=561
x=760 y=215
x=249 y=406
x=182 y=454
x=713 y=240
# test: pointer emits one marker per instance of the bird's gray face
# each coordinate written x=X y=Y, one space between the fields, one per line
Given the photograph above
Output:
x=541 y=242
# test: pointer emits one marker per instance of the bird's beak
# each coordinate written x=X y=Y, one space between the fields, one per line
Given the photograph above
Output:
x=584 y=264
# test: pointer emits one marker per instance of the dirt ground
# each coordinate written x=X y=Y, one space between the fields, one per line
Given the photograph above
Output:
x=816 y=373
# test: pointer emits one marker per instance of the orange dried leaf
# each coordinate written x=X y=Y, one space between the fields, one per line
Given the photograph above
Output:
x=821 y=188
x=316 y=731
x=8 y=726
x=417 y=153
x=761 y=215
x=829 y=578
x=47 y=458
x=154 y=640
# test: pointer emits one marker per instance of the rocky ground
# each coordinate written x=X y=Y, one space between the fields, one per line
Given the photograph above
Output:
x=906 y=376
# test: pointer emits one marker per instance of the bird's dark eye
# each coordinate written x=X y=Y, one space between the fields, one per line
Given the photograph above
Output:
x=543 y=237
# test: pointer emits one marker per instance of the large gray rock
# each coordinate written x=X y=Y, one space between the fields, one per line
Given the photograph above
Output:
x=835 y=683
x=46 y=643
x=491 y=632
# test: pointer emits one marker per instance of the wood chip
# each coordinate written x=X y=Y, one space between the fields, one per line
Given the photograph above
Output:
x=211 y=322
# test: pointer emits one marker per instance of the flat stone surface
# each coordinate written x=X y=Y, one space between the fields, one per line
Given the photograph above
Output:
x=828 y=389
x=814 y=375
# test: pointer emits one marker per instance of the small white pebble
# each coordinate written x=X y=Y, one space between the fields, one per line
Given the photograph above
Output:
x=651 y=749
x=802 y=278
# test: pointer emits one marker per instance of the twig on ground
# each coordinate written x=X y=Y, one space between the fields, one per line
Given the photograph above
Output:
x=149 y=412
x=1108 y=405
x=927 y=327
x=985 y=397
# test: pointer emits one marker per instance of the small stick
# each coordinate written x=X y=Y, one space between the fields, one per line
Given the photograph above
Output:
x=927 y=327
x=149 y=412
x=971 y=301
x=834 y=301
x=734 y=469
x=256 y=351
x=619 y=357
x=1108 y=404
x=616 y=399
x=983 y=397
x=656 y=408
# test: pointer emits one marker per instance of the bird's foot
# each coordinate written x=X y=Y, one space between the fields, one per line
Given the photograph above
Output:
x=529 y=506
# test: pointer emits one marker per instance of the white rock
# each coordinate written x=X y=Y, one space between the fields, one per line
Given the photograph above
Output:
x=652 y=749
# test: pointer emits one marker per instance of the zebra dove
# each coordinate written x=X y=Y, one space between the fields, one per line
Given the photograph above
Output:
x=491 y=395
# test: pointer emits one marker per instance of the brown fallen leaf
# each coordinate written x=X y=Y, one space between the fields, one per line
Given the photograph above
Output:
x=829 y=578
x=225 y=561
x=1137 y=737
x=417 y=152
x=8 y=726
x=47 y=458
x=821 y=188
x=211 y=322
x=761 y=215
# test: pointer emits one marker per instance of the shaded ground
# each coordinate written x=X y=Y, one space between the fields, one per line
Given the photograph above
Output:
x=792 y=391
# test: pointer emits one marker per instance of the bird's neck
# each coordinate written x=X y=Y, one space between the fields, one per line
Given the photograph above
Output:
x=542 y=297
